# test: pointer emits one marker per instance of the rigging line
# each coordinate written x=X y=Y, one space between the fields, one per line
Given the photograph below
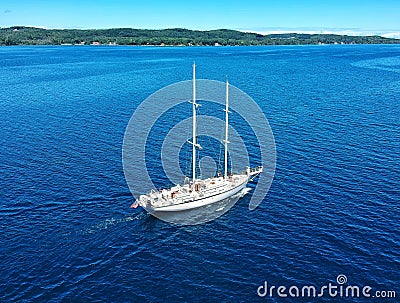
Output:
x=219 y=169
x=222 y=149
x=188 y=159
x=209 y=140
x=198 y=165
x=188 y=156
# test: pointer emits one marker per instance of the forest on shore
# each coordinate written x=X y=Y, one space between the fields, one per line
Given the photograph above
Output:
x=21 y=35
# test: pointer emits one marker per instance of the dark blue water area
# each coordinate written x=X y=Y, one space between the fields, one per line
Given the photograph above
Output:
x=68 y=234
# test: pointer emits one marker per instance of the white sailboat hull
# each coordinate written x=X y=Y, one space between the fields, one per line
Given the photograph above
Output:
x=201 y=201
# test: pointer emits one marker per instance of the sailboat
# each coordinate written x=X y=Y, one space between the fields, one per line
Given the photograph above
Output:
x=200 y=192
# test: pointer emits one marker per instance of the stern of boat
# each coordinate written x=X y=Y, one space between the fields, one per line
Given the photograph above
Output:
x=253 y=172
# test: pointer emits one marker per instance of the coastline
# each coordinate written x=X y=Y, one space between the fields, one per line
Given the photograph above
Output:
x=20 y=35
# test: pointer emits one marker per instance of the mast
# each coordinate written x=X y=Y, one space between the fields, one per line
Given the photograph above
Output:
x=194 y=130
x=226 y=129
x=194 y=125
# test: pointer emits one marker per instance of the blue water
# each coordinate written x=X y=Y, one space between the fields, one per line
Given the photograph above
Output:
x=68 y=234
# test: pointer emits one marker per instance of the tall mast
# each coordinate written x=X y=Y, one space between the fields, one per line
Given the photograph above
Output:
x=194 y=124
x=226 y=129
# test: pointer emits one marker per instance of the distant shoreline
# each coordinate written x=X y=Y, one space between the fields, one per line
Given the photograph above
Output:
x=21 y=35
x=185 y=46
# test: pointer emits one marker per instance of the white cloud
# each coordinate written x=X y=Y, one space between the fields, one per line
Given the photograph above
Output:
x=395 y=35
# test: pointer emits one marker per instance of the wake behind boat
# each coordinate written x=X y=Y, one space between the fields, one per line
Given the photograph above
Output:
x=200 y=192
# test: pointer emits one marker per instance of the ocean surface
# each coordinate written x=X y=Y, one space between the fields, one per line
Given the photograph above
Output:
x=68 y=234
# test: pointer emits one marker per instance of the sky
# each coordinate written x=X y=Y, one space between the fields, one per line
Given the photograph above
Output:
x=353 y=17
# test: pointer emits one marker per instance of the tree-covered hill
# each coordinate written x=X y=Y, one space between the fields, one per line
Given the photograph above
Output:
x=20 y=35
